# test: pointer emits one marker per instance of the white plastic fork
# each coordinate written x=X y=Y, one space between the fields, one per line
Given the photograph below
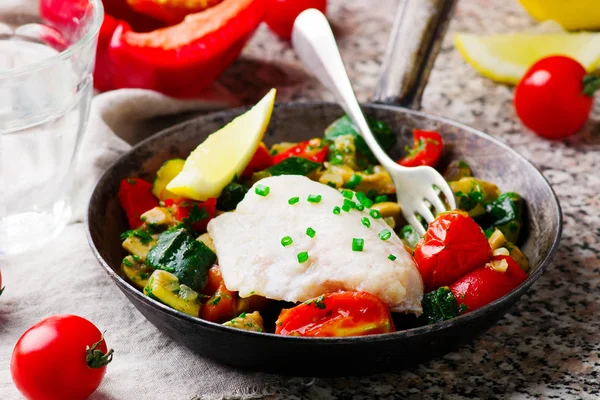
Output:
x=315 y=44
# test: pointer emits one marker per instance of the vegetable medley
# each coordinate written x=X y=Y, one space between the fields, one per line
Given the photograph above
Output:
x=467 y=258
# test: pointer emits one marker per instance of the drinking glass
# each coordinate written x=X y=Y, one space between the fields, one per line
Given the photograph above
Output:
x=47 y=54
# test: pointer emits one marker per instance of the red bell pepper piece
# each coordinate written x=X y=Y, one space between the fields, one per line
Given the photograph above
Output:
x=453 y=246
x=486 y=284
x=183 y=59
x=171 y=11
x=310 y=150
x=222 y=303
x=336 y=314
x=427 y=149
x=136 y=198
x=261 y=160
x=196 y=214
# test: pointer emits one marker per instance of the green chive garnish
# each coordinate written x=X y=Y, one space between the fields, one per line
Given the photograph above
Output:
x=385 y=234
x=358 y=244
x=366 y=222
x=353 y=182
x=346 y=208
x=381 y=199
x=314 y=198
x=375 y=214
x=336 y=210
x=349 y=203
x=360 y=207
x=293 y=200
x=347 y=194
x=262 y=190
x=310 y=232
x=302 y=257
x=364 y=200
x=392 y=257
x=286 y=241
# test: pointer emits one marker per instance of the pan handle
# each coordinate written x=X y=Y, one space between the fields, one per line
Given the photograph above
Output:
x=415 y=41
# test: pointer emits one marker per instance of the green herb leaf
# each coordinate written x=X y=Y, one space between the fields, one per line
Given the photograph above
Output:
x=439 y=305
x=144 y=236
x=294 y=166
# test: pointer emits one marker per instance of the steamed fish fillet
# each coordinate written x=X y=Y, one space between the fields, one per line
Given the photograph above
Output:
x=254 y=261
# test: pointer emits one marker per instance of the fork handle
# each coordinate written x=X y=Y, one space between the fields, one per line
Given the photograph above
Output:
x=315 y=44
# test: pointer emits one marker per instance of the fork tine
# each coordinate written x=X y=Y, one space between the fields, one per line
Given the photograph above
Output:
x=414 y=222
x=425 y=212
x=434 y=198
x=443 y=186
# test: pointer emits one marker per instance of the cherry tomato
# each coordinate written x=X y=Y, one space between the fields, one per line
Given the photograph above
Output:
x=196 y=214
x=453 y=246
x=313 y=150
x=486 y=284
x=555 y=97
x=281 y=14
x=427 y=149
x=60 y=357
x=260 y=161
x=336 y=314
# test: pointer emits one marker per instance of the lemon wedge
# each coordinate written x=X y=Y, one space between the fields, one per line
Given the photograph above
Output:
x=573 y=14
x=224 y=154
x=505 y=58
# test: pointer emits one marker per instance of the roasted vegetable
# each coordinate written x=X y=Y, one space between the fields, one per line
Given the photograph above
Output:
x=248 y=322
x=207 y=240
x=472 y=194
x=138 y=242
x=517 y=255
x=294 y=166
x=231 y=196
x=505 y=213
x=164 y=287
x=389 y=209
x=439 y=305
x=176 y=251
x=457 y=170
x=376 y=180
x=158 y=219
x=250 y=304
x=135 y=196
x=427 y=149
x=314 y=150
x=194 y=216
x=343 y=152
x=136 y=271
x=164 y=175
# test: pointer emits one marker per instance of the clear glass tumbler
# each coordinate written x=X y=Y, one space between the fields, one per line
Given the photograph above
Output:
x=47 y=54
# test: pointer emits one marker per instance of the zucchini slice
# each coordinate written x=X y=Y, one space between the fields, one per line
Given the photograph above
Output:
x=248 y=322
x=164 y=287
x=136 y=272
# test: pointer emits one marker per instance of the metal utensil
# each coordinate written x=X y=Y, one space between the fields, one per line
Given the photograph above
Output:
x=315 y=44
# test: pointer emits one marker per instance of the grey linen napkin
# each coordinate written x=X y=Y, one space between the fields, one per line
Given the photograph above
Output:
x=63 y=277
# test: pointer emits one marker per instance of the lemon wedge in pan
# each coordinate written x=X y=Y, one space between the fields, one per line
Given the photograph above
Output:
x=224 y=154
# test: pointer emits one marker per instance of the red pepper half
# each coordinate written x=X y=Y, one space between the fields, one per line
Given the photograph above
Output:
x=311 y=150
x=427 y=149
x=170 y=11
x=486 y=284
x=336 y=314
x=136 y=198
x=196 y=214
x=182 y=59
x=261 y=160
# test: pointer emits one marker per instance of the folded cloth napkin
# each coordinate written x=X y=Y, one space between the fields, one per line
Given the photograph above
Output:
x=63 y=277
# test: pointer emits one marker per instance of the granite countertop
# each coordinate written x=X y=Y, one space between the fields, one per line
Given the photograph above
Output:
x=548 y=346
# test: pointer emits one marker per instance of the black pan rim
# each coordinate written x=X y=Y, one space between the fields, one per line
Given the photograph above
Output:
x=398 y=335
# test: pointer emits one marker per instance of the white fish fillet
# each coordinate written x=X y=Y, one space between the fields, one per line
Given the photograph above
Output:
x=253 y=260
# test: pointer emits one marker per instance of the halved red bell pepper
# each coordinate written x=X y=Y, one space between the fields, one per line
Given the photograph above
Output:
x=336 y=314
x=487 y=283
x=170 y=11
x=136 y=198
x=196 y=214
x=261 y=160
x=183 y=59
x=313 y=150
x=427 y=149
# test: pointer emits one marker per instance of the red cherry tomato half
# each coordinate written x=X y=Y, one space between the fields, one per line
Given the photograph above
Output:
x=427 y=150
x=60 y=357
x=453 y=246
x=281 y=14
x=555 y=97
x=336 y=314
x=486 y=284
x=261 y=160
x=313 y=150
x=196 y=214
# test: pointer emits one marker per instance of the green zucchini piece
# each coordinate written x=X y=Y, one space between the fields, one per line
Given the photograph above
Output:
x=176 y=251
x=293 y=166
x=231 y=196
x=165 y=287
x=248 y=322
x=439 y=305
x=165 y=174
x=135 y=271
x=472 y=194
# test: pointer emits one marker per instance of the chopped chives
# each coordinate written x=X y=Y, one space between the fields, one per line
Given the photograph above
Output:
x=360 y=207
x=293 y=200
x=364 y=200
x=286 y=241
x=347 y=194
x=336 y=210
x=366 y=222
x=381 y=199
x=349 y=203
x=353 y=182
x=262 y=190
x=392 y=257
x=314 y=198
x=346 y=208
x=302 y=257
x=310 y=232
x=385 y=234
x=375 y=214
x=358 y=244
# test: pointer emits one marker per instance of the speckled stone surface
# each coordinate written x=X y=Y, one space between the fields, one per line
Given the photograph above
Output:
x=548 y=347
